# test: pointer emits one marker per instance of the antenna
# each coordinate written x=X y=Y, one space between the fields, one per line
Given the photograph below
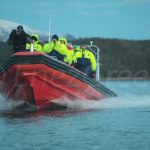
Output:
x=49 y=29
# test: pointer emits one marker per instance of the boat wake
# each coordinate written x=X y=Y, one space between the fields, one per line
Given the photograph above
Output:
x=114 y=103
x=128 y=101
x=8 y=105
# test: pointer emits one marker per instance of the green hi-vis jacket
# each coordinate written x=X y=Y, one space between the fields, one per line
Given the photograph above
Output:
x=87 y=54
x=59 y=47
x=37 y=47
x=69 y=56
x=48 y=47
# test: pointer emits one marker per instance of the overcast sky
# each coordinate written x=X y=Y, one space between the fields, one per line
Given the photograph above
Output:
x=126 y=19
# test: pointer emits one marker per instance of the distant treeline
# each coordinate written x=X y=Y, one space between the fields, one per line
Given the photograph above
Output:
x=122 y=58
x=118 y=58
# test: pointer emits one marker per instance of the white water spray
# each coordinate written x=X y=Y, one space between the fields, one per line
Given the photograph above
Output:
x=8 y=104
x=109 y=103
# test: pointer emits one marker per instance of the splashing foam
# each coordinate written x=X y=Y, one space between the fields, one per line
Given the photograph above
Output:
x=115 y=103
x=130 y=101
x=8 y=105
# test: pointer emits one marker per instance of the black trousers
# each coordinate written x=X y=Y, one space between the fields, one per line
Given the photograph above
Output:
x=84 y=65
x=58 y=55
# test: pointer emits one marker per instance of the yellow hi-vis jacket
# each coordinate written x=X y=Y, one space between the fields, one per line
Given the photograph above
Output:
x=48 y=47
x=37 y=47
x=87 y=54
x=69 y=56
x=61 y=48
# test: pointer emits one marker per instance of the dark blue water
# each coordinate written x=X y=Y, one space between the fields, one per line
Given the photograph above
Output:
x=121 y=123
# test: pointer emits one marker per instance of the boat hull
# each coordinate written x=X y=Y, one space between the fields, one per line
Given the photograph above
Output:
x=41 y=81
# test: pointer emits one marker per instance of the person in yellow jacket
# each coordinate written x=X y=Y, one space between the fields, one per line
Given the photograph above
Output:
x=35 y=41
x=60 y=49
x=84 y=60
x=69 y=55
x=48 y=47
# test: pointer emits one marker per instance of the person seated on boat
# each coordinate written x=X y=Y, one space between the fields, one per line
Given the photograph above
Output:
x=69 y=54
x=48 y=47
x=84 y=60
x=18 y=39
x=60 y=49
x=35 y=41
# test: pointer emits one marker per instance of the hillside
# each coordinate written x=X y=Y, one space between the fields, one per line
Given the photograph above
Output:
x=6 y=27
x=119 y=58
x=123 y=58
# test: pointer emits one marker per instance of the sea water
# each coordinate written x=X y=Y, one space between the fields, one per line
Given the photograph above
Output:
x=120 y=123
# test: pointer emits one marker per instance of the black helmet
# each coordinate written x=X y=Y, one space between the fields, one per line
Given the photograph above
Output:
x=20 y=28
x=55 y=37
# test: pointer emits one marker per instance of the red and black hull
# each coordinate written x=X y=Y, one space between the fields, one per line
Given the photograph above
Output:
x=40 y=80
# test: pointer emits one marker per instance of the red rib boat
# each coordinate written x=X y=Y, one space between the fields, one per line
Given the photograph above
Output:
x=40 y=80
